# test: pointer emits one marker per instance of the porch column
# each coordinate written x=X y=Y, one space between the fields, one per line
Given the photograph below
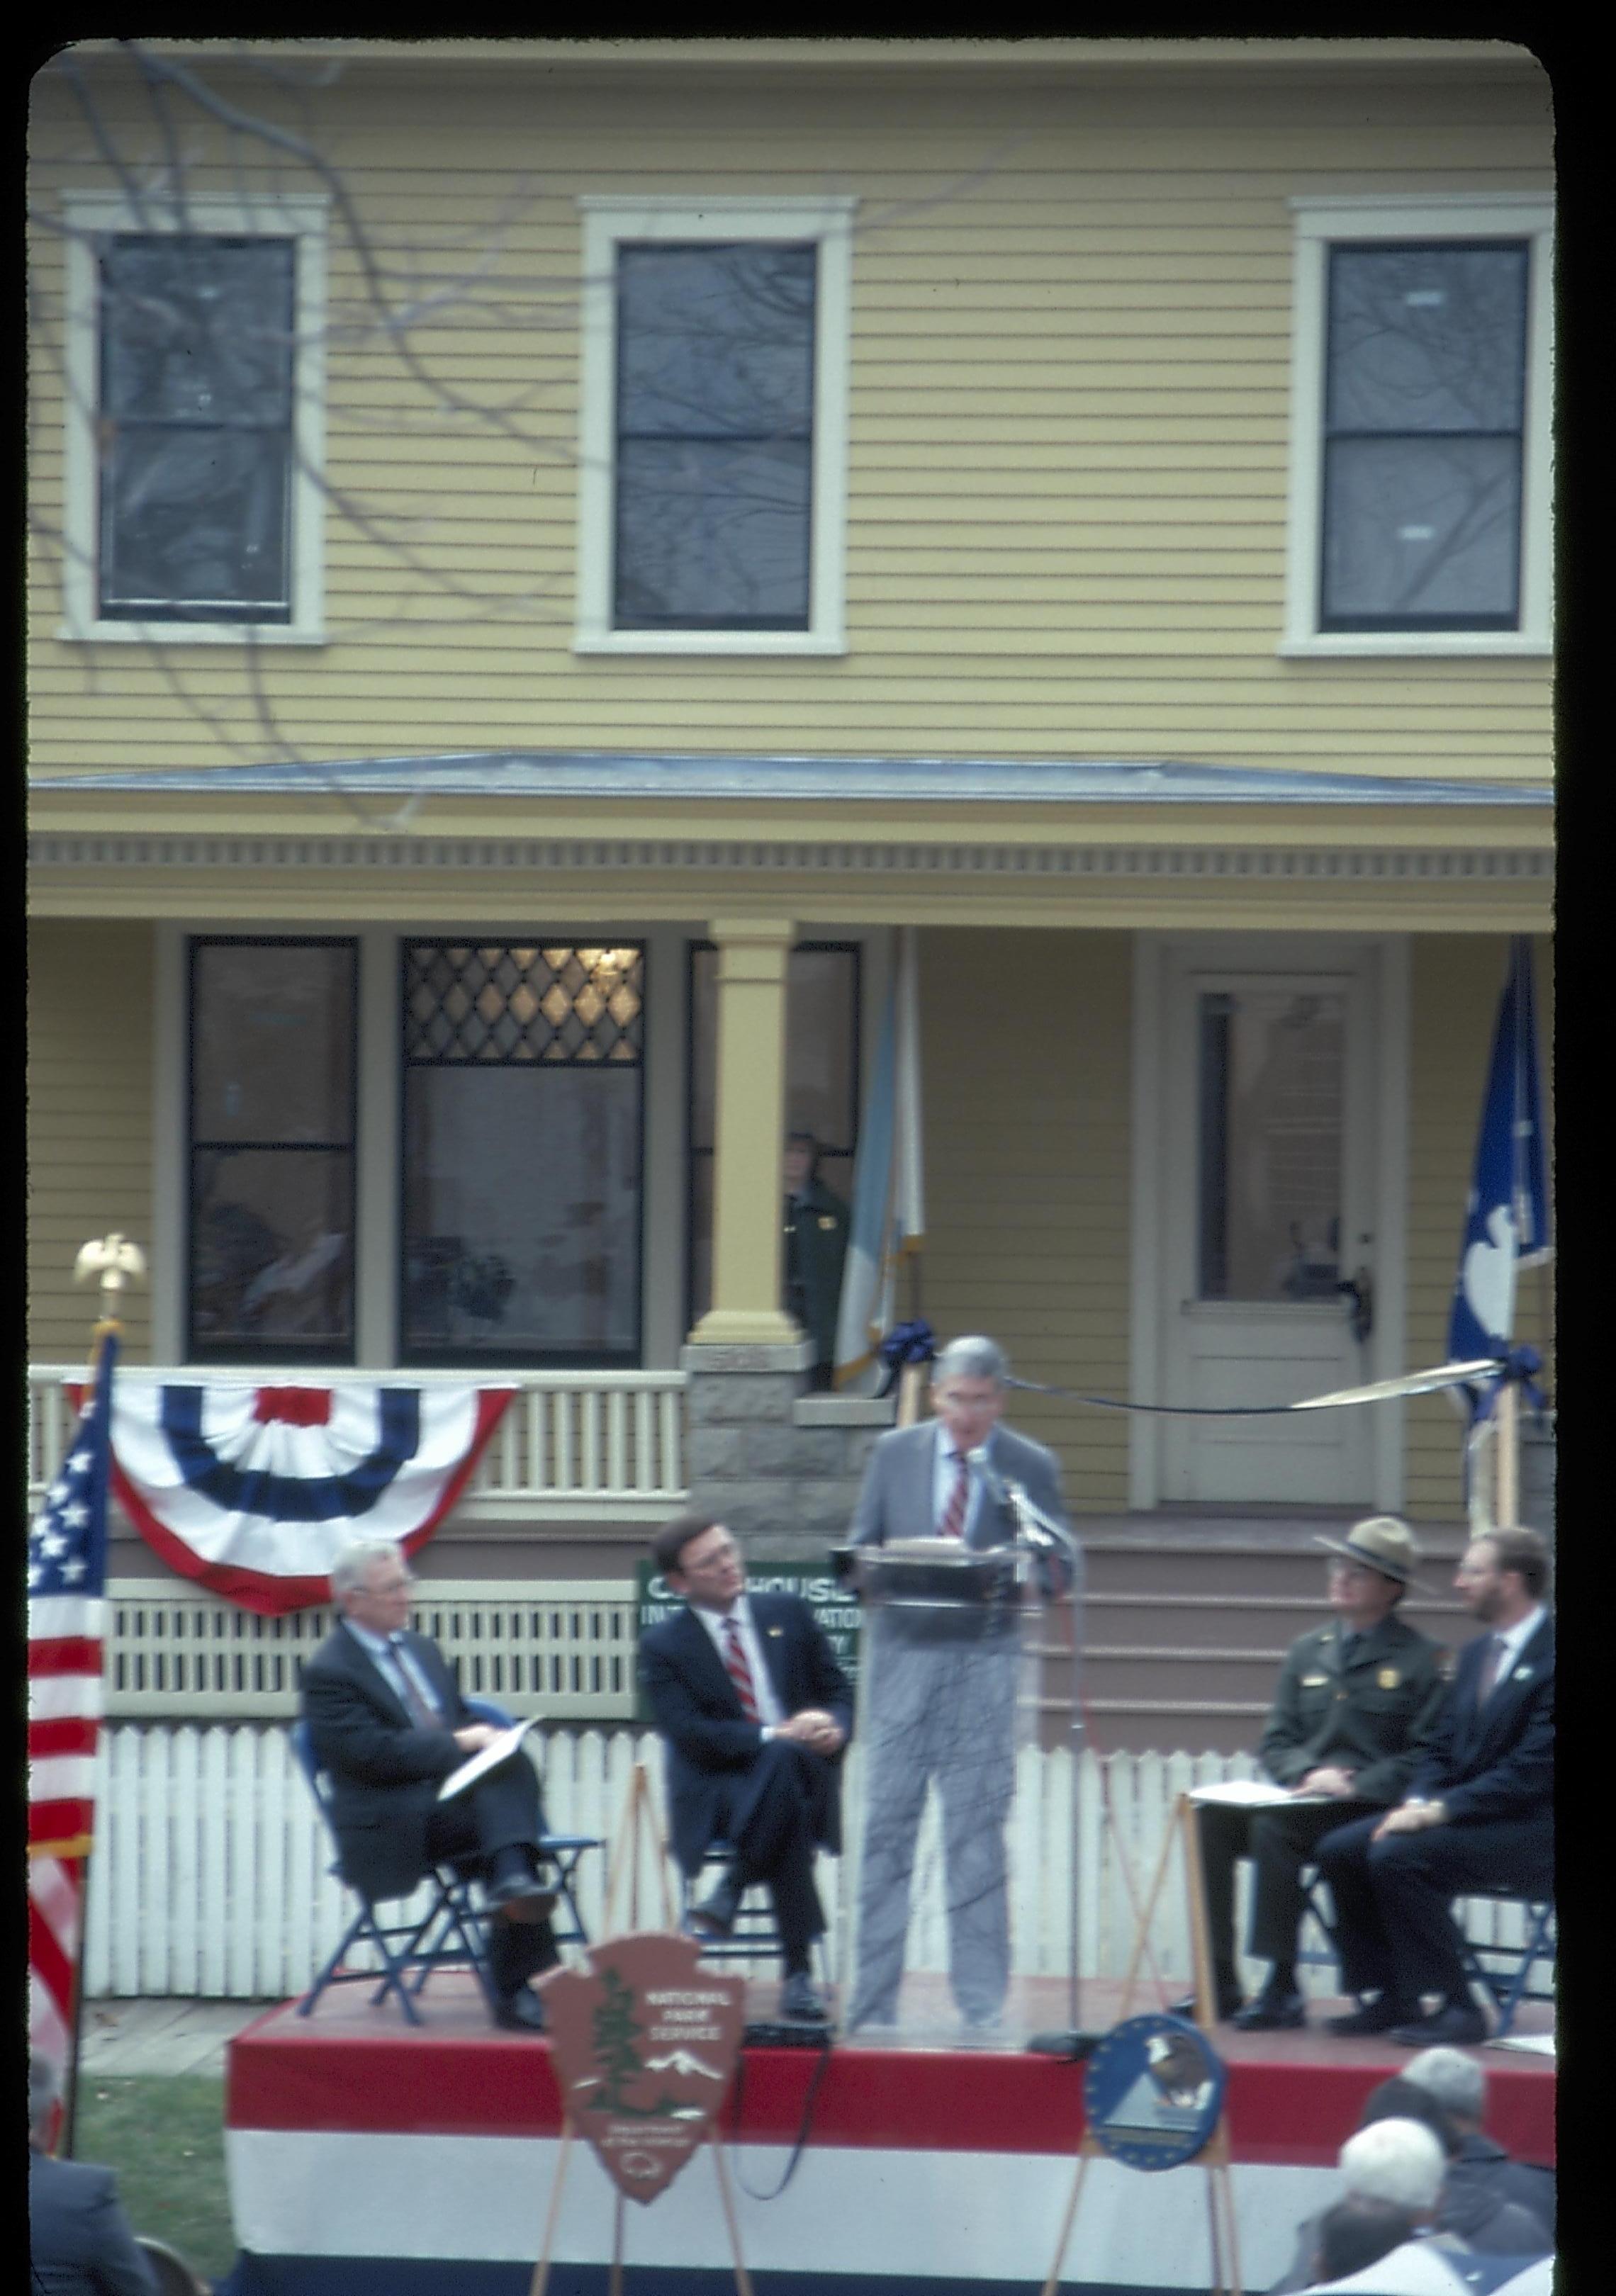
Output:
x=749 y=1125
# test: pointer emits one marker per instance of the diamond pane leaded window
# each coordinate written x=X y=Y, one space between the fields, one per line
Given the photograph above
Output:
x=523 y=1118
x=1425 y=435
x=198 y=336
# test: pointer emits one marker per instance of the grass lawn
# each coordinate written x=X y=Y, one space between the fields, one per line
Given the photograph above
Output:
x=166 y=2138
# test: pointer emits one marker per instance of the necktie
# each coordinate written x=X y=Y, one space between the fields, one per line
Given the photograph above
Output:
x=426 y=1716
x=953 y=1524
x=738 y=1670
x=1490 y=1666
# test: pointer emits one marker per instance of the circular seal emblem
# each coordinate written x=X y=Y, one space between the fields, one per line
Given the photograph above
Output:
x=1153 y=2091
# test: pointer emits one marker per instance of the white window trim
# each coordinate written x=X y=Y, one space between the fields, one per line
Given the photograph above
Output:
x=608 y=219
x=1320 y=221
x=302 y=217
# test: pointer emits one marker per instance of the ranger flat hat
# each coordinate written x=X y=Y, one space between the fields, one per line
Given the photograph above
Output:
x=1381 y=1541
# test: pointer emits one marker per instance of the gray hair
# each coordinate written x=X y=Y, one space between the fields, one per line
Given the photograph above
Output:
x=352 y=1566
x=971 y=1358
x=1457 y=2082
x=44 y=2088
x=1397 y=2161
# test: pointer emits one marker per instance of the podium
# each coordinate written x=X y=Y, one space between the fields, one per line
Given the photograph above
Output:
x=960 y=1877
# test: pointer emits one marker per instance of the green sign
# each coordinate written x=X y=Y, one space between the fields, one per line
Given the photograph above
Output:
x=814 y=1581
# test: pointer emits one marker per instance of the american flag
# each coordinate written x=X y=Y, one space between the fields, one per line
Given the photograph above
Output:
x=67 y=1569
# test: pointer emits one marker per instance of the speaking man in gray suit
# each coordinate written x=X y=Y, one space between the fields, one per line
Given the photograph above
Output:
x=942 y=1683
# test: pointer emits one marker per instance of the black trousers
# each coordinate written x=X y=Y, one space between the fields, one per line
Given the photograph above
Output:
x=1279 y=1843
x=772 y=1814
x=1395 y=1932
x=501 y=1811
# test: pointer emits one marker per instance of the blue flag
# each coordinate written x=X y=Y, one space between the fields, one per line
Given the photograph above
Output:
x=1507 y=1224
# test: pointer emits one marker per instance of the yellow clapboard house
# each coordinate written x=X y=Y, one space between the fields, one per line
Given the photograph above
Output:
x=546 y=556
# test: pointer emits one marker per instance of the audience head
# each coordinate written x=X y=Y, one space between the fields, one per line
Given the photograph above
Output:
x=1398 y=2099
x=1357 y=2232
x=1456 y=2081
x=699 y=1557
x=1397 y=2161
x=371 y=1582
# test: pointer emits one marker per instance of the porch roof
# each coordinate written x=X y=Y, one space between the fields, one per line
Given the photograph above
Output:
x=617 y=774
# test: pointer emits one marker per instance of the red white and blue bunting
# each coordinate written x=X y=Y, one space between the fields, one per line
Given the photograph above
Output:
x=254 y=1491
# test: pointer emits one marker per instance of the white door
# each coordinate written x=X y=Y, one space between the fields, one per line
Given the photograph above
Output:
x=1269 y=1191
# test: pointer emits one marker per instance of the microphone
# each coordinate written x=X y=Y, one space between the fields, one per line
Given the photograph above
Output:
x=991 y=1481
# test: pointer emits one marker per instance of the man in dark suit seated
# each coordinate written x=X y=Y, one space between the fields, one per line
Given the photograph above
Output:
x=389 y=1725
x=79 y=2241
x=755 y=1710
x=1477 y=1814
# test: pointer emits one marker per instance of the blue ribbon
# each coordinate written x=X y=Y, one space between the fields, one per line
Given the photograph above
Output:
x=1517 y=1367
x=905 y=1343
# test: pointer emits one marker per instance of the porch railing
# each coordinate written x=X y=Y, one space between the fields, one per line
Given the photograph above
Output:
x=574 y=1445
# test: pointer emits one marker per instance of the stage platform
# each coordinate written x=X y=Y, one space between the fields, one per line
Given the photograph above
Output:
x=368 y=2159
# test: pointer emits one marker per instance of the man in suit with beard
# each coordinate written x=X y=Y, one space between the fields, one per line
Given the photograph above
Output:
x=387 y=1725
x=747 y=1692
x=1477 y=1815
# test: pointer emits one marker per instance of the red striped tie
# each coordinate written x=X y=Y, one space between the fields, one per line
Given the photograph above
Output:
x=738 y=1670
x=953 y=1524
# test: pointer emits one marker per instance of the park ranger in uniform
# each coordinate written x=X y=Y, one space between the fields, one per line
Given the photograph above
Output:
x=1354 y=1706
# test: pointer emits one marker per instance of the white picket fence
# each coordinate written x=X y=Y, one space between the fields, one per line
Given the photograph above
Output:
x=210 y=1874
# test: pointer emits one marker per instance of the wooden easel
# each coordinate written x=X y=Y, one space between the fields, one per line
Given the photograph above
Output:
x=637 y=1826
x=1215 y=2156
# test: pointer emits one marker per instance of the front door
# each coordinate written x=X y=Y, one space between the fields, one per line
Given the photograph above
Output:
x=1269 y=1204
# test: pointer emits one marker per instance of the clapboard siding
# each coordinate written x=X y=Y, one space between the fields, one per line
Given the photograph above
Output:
x=1026 y=1052
x=1071 y=321
x=89 y=1083
x=1454 y=1005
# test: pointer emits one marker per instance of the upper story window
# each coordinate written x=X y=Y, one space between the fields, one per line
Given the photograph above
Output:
x=714 y=413
x=1420 y=507
x=193 y=508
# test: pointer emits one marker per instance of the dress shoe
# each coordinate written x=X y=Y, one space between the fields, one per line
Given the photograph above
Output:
x=714 y=1916
x=521 y=2011
x=1379 y=2016
x=1456 y=2023
x=1272 y=2012
x=801 y=2002
x=1229 y=2003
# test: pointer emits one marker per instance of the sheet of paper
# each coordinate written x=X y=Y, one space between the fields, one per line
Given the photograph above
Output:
x=1251 y=1793
x=487 y=1758
x=1535 y=2045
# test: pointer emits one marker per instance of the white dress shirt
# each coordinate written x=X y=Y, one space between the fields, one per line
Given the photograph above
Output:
x=1514 y=1640
x=768 y=1697
x=394 y=1663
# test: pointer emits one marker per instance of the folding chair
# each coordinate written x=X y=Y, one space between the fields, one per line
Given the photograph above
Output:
x=1512 y=1985
x=755 y=1935
x=563 y=1850
x=448 y=1935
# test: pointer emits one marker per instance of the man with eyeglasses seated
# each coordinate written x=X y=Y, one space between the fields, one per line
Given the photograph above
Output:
x=387 y=1725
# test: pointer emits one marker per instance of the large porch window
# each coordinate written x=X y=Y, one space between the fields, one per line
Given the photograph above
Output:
x=522 y=1147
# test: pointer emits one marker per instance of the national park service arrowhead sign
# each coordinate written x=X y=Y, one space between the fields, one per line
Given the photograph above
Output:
x=644 y=2045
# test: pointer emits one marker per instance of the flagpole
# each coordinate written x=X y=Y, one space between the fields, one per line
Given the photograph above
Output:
x=114 y=1259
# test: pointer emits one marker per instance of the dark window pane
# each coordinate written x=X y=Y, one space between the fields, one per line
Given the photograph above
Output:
x=713 y=535
x=1427 y=338
x=1423 y=528
x=196 y=520
x=716 y=338
x=1271 y=1064
x=272 y=1249
x=198 y=330
x=521 y=1196
x=273 y=1043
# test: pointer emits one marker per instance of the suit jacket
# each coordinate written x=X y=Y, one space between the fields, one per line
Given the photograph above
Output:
x=1496 y=1760
x=79 y=2240
x=384 y=1771
x=1373 y=1713
x=897 y=1497
x=697 y=1709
